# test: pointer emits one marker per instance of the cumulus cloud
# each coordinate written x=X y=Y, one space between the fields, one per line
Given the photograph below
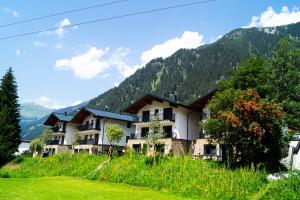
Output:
x=270 y=18
x=48 y=102
x=11 y=12
x=188 y=40
x=96 y=61
x=87 y=65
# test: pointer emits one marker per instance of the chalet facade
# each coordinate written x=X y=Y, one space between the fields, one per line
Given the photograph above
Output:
x=63 y=130
x=205 y=147
x=179 y=123
x=91 y=124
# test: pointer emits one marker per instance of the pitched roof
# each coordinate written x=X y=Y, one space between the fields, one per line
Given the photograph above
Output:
x=200 y=103
x=85 y=112
x=54 y=117
x=147 y=99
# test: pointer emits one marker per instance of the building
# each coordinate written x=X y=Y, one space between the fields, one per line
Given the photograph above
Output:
x=24 y=146
x=91 y=128
x=179 y=122
x=63 y=135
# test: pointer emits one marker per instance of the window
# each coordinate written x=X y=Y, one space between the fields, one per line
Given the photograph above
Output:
x=168 y=114
x=156 y=112
x=128 y=125
x=210 y=149
x=144 y=132
x=168 y=131
x=146 y=116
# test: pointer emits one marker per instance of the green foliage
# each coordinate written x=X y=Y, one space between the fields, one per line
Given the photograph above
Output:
x=46 y=135
x=155 y=133
x=77 y=138
x=9 y=117
x=285 y=78
x=36 y=145
x=113 y=133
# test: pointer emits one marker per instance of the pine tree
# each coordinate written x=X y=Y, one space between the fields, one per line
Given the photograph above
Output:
x=9 y=117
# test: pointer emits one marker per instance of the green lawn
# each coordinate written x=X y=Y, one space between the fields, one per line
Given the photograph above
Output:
x=74 y=188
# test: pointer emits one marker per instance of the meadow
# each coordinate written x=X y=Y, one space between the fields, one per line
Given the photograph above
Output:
x=183 y=176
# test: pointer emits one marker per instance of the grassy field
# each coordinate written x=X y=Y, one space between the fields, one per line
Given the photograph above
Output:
x=182 y=176
x=74 y=188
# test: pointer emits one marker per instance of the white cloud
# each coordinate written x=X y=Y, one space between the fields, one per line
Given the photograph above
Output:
x=76 y=103
x=271 y=18
x=60 y=32
x=18 y=52
x=95 y=61
x=48 y=102
x=188 y=40
x=40 y=44
x=87 y=65
x=11 y=12
x=58 y=46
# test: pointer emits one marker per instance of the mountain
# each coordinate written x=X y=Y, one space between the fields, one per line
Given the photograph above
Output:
x=192 y=72
x=189 y=73
x=33 y=117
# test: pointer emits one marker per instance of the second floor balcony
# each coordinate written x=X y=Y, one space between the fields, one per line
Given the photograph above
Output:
x=161 y=116
x=92 y=141
x=52 y=142
x=57 y=129
x=87 y=127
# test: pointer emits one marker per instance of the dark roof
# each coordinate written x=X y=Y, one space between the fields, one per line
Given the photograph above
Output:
x=200 y=103
x=54 y=117
x=147 y=99
x=85 y=112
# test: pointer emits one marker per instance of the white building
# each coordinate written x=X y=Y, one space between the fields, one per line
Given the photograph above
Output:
x=293 y=159
x=179 y=122
x=63 y=135
x=24 y=146
x=91 y=128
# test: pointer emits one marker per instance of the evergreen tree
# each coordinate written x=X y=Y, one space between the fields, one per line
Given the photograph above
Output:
x=9 y=117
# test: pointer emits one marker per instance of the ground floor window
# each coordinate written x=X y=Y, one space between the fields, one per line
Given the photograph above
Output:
x=137 y=147
x=210 y=150
x=144 y=132
x=160 y=148
x=168 y=131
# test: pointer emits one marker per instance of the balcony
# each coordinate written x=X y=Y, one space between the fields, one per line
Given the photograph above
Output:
x=165 y=135
x=52 y=142
x=56 y=129
x=87 y=127
x=89 y=141
x=162 y=117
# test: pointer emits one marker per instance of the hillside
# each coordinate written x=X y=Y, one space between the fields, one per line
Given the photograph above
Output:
x=192 y=72
x=33 y=127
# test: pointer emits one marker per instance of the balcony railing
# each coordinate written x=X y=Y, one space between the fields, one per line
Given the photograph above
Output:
x=86 y=127
x=162 y=117
x=165 y=135
x=88 y=141
x=56 y=129
x=52 y=142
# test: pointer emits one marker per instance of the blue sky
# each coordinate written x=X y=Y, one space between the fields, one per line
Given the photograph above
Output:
x=67 y=66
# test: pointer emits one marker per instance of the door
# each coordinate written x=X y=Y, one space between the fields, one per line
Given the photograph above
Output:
x=146 y=116
x=144 y=132
x=62 y=140
x=168 y=112
x=96 y=138
x=167 y=131
x=97 y=124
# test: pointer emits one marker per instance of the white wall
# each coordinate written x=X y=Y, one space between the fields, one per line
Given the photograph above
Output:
x=71 y=129
x=296 y=157
x=180 y=125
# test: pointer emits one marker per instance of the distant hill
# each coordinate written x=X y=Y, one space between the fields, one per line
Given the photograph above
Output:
x=192 y=72
x=33 y=117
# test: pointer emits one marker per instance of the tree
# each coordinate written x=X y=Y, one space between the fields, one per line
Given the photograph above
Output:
x=46 y=135
x=36 y=145
x=285 y=78
x=250 y=125
x=155 y=133
x=114 y=134
x=9 y=117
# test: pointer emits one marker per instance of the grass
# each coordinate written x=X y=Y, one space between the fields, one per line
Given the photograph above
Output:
x=74 y=188
x=183 y=176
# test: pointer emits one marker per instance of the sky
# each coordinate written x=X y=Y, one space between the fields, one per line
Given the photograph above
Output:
x=67 y=66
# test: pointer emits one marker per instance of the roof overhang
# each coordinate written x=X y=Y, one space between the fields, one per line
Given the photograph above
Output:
x=148 y=99
x=80 y=116
x=200 y=103
x=51 y=120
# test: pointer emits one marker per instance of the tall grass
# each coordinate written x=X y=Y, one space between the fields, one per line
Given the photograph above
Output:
x=182 y=175
x=58 y=165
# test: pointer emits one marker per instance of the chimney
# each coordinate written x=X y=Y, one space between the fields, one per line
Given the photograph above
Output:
x=66 y=113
